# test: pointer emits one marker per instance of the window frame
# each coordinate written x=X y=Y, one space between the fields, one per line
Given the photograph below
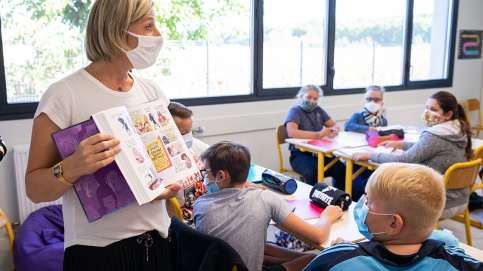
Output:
x=26 y=110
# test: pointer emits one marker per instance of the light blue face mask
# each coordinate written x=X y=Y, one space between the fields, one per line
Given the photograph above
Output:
x=211 y=188
x=188 y=139
x=360 y=213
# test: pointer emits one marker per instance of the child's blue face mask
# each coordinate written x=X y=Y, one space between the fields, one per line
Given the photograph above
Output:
x=211 y=188
x=360 y=213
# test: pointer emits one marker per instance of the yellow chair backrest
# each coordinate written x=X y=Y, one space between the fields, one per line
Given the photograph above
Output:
x=461 y=175
x=281 y=134
x=478 y=153
x=4 y=222
x=474 y=105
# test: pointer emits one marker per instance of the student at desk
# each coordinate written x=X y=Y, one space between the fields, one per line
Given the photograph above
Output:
x=447 y=142
x=240 y=215
x=403 y=203
x=308 y=120
x=191 y=190
x=371 y=116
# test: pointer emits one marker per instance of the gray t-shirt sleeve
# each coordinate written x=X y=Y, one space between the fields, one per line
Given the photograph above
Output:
x=280 y=209
x=420 y=151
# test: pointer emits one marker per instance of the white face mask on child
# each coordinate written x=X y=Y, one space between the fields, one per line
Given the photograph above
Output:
x=372 y=107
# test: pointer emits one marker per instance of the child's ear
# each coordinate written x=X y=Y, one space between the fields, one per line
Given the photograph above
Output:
x=448 y=115
x=396 y=225
x=221 y=175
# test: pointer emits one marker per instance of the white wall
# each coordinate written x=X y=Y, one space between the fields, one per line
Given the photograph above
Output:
x=254 y=123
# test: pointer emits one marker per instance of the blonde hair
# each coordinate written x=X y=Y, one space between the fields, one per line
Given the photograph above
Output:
x=413 y=191
x=108 y=22
x=306 y=89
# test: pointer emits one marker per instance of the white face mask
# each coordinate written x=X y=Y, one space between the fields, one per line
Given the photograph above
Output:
x=188 y=139
x=372 y=107
x=146 y=53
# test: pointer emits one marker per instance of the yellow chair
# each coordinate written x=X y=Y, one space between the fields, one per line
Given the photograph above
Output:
x=173 y=208
x=5 y=223
x=474 y=105
x=281 y=135
x=461 y=175
x=476 y=186
x=478 y=154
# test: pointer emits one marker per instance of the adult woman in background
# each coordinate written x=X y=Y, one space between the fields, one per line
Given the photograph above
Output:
x=446 y=142
x=120 y=35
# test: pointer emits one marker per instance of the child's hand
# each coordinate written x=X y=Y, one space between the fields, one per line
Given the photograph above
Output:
x=332 y=213
x=395 y=144
x=374 y=129
x=335 y=130
x=171 y=191
x=329 y=131
x=361 y=156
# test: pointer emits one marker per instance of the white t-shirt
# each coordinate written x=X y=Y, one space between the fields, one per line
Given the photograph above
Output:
x=198 y=147
x=74 y=99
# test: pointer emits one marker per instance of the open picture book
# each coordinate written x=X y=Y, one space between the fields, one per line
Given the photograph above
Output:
x=153 y=155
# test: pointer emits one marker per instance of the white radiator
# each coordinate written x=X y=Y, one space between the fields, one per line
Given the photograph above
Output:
x=25 y=205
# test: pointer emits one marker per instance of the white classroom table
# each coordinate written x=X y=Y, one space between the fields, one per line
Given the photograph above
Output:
x=345 y=227
x=472 y=251
x=344 y=139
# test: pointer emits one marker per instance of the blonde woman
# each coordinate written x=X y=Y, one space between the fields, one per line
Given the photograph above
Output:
x=121 y=35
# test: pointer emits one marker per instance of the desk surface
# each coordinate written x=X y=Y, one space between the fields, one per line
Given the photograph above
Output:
x=349 y=139
x=345 y=227
x=472 y=251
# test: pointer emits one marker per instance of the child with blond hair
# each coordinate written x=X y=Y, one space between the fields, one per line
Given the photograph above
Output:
x=398 y=215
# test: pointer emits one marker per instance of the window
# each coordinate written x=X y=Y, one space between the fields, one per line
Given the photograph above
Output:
x=219 y=51
x=294 y=44
x=369 y=43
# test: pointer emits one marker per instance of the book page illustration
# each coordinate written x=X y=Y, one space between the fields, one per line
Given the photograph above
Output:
x=163 y=142
x=158 y=155
x=193 y=188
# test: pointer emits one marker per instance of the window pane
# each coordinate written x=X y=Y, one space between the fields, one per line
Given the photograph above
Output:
x=430 y=40
x=369 y=38
x=40 y=46
x=207 y=51
x=294 y=43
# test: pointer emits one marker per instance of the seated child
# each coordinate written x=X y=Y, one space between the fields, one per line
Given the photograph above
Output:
x=446 y=142
x=403 y=204
x=308 y=120
x=371 y=116
x=183 y=117
x=240 y=215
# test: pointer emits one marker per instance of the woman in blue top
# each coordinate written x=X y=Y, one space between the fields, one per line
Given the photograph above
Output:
x=371 y=116
x=308 y=120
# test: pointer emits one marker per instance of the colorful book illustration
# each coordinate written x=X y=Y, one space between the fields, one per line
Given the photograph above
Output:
x=153 y=153
x=326 y=144
x=305 y=208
